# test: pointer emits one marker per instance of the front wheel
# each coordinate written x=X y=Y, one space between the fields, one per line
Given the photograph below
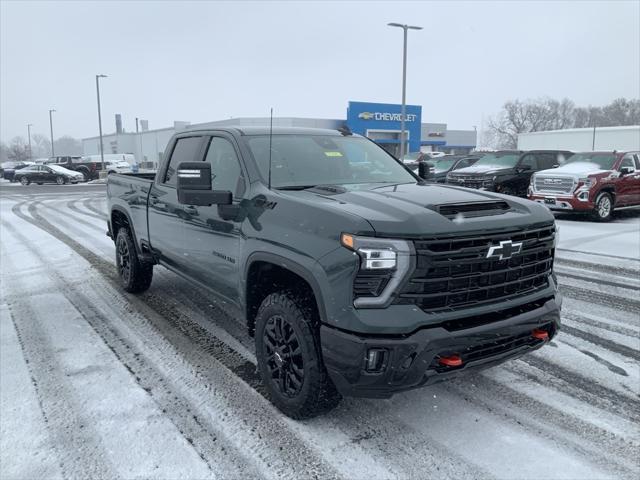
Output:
x=289 y=357
x=60 y=180
x=135 y=275
x=604 y=207
x=24 y=181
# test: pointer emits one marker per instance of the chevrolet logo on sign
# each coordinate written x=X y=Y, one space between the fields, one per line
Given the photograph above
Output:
x=366 y=115
x=505 y=250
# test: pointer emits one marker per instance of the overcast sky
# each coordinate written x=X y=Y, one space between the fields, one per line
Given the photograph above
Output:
x=213 y=60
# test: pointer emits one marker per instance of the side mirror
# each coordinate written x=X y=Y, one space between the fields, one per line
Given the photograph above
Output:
x=194 y=186
x=424 y=170
x=626 y=170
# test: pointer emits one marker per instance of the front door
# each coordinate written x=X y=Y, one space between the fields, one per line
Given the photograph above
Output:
x=628 y=187
x=46 y=175
x=166 y=225
x=213 y=234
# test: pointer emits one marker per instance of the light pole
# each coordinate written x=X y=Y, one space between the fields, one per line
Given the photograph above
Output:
x=29 y=125
x=53 y=153
x=98 y=77
x=403 y=112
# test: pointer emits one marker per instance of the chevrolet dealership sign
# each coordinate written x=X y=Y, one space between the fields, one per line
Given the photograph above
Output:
x=388 y=117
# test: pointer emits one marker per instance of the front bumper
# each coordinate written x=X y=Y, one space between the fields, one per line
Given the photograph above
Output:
x=563 y=202
x=412 y=361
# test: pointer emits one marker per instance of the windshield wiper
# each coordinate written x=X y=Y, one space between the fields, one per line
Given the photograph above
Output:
x=294 y=187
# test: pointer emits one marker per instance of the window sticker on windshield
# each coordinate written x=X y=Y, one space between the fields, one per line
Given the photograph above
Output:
x=333 y=154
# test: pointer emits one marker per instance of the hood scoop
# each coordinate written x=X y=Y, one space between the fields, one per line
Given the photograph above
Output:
x=472 y=209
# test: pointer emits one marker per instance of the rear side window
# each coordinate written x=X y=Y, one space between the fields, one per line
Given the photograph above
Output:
x=186 y=150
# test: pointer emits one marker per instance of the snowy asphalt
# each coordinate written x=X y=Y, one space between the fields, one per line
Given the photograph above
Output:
x=97 y=383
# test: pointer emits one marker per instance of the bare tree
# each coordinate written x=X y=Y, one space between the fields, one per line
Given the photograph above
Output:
x=18 y=150
x=548 y=114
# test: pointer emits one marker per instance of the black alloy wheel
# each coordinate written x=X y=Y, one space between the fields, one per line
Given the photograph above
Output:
x=284 y=356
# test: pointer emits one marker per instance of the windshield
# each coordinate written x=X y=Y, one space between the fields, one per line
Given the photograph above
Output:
x=58 y=168
x=498 y=160
x=308 y=160
x=443 y=165
x=604 y=161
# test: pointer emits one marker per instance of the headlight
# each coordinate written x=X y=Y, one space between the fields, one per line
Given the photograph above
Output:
x=587 y=182
x=381 y=255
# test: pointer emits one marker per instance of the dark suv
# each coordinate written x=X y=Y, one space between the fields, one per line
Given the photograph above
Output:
x=440 y=167
x=507 y=171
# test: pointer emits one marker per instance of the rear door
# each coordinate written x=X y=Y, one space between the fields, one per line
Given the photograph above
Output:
x=165 y=214
x=524 y=176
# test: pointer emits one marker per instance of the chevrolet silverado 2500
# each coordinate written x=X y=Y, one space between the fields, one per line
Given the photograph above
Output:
x=354 y=276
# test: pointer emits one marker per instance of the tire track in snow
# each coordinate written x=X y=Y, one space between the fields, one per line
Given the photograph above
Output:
x=591 y=296
x=72 y=205
x=247 y=372
x=196 y=430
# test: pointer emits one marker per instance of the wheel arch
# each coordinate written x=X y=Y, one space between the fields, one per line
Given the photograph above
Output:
x=267 y=273
x=120 y=218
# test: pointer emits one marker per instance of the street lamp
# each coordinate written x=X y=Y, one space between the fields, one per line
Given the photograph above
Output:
x=405 y=28
x=98 y=77
x=29 y=125
x=53 y=153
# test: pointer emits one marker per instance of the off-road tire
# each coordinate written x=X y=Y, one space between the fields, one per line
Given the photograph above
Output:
x=601 y=213
x=135 y=276
x=317 y=394
x=85 y=173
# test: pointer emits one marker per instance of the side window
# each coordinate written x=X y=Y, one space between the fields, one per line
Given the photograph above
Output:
x=529 y=159
x=226 y=173
x=637 y=157
x=627 y=161
x=547 y=160
x=463 y=163
x=186 y=150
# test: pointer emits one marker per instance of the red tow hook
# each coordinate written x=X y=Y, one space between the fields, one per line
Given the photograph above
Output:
x=540 y=334
x=450 y=361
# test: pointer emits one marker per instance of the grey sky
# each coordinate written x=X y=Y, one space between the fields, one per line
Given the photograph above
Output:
x=205 y=61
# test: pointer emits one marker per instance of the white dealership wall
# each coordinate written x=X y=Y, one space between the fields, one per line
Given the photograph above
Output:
x=581 y=139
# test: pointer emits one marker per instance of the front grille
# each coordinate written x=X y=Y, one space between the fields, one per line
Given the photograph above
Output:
x=469 y=182
x=455 y=273
x=557 y=185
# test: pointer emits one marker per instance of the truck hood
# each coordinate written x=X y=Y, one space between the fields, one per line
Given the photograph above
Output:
x=575 y=169
x=412 y=210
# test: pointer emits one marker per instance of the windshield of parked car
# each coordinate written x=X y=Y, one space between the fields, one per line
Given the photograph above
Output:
x=299 y=161
x=498 y=160
x=443 y=164
x=604 y=161
x=58 y=169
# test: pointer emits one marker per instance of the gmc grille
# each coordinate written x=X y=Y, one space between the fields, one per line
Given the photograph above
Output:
x=562 y=185
x=455 y=273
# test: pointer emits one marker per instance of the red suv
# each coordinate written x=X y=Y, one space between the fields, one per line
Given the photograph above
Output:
x=596 y=182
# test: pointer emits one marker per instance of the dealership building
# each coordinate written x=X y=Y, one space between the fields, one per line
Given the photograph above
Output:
x=378 y=121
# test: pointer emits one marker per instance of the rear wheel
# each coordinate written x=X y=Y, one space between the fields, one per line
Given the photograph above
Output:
x=604 y=207
x=135 y=275
x=85 y=174
x=24 y=181
x=289 y=357
x=60 y=180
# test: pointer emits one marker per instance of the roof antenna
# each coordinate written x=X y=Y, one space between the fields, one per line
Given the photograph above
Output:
x=270 y=140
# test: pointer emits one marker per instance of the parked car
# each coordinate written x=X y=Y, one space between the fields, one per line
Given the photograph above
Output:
x=594 y=182
x=91 y=166
x=352 y=283
x=445 y=164
x=47 y=174
x=506 y=171
x=8 y=169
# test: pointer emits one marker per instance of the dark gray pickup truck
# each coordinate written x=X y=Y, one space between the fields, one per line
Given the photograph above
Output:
x=354 y=276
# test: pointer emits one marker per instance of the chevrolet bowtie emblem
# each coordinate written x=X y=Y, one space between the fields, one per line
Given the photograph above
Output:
x=505 y=250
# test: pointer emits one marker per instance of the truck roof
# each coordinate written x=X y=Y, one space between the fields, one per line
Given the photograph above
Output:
x=264 y=130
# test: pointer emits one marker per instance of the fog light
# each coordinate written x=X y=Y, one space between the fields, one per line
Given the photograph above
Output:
x=375 y=359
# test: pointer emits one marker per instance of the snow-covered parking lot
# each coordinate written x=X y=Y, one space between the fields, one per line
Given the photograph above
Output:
x=97 y=383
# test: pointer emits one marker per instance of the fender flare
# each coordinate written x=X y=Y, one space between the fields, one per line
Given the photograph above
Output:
x=294 y=267
x=121 y=210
